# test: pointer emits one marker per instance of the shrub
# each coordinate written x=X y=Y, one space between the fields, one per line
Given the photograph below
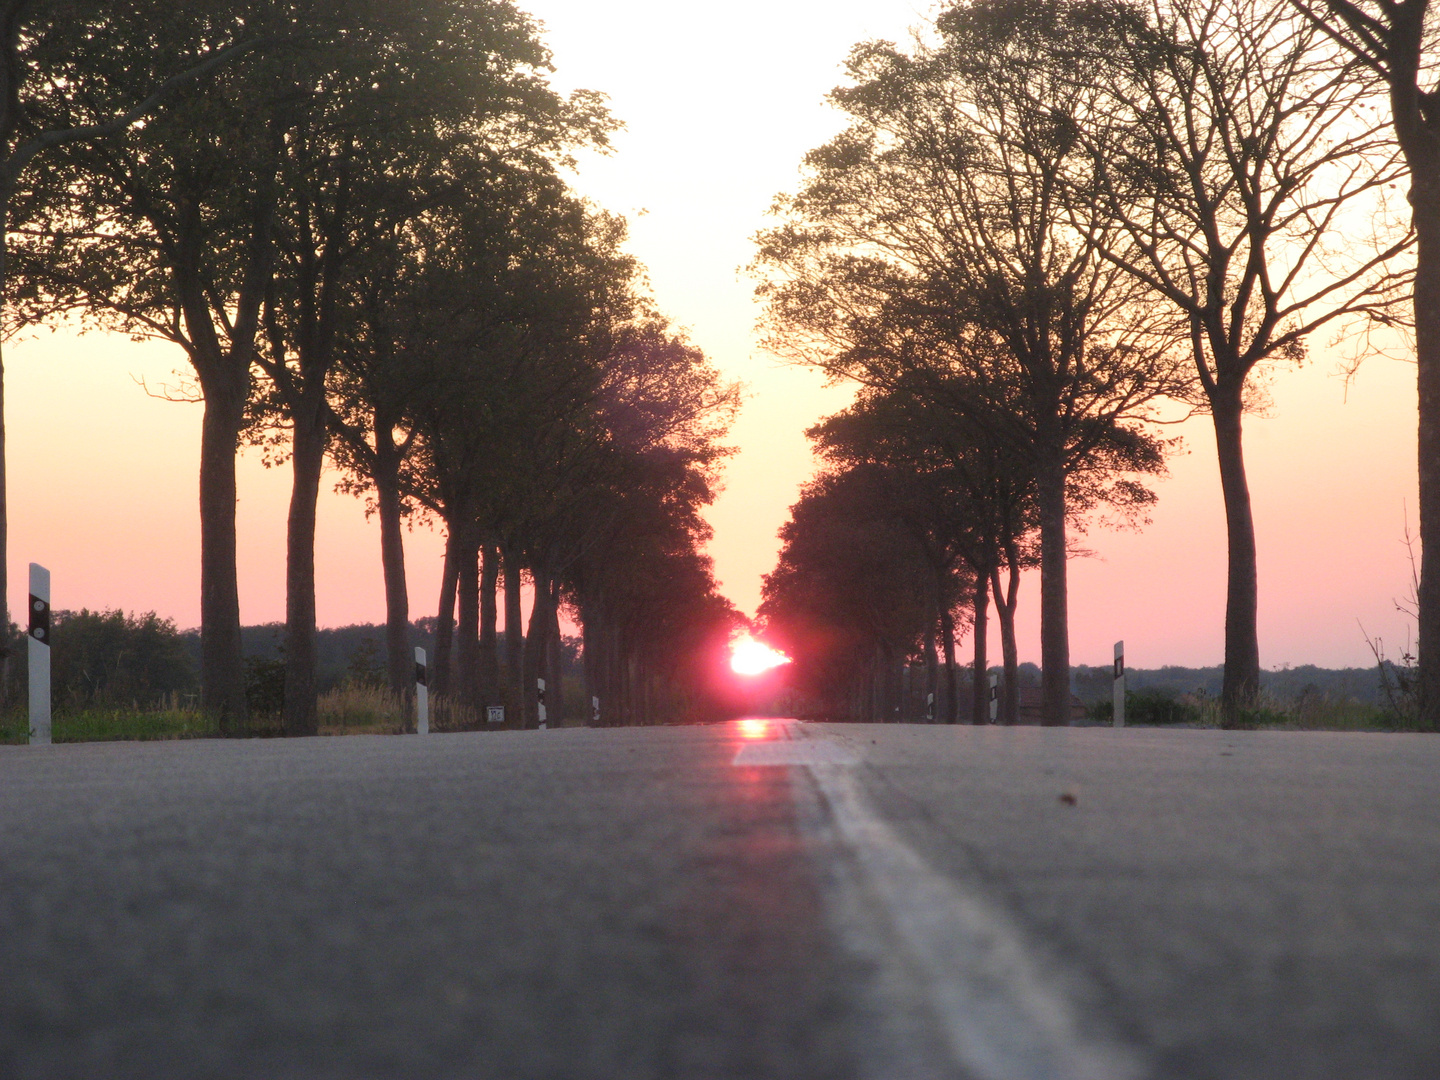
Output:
x=264 y=685
x=1158 y=706
x=108 y=657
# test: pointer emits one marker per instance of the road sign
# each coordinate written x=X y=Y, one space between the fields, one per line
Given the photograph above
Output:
x=39 y=658
x=1119 y=688
x=495 y=714
x=422 y=694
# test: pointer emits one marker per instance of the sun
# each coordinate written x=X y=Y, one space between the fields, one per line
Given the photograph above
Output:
x=751 y=657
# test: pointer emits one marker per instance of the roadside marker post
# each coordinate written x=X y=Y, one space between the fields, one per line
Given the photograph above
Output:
x=994 y=697
x=540 y=703
x=39 y=655
x=1119 y=689
x=422 y=695
x=595 y=711
x=929 y=708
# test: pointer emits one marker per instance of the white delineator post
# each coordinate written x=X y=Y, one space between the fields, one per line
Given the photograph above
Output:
x=994 y=697
x=422 y=694
x=1119 y=684
x=595 y=711
x=39 y=648
x=540 y=703
x=929 y=708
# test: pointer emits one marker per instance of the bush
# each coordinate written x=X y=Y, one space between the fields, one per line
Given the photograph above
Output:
x=108 y=657
x=1158 y=705
x=264 y=685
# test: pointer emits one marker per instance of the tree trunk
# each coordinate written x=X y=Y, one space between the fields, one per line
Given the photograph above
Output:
x=1242 y=643
x=514 y=631
x=445 y=618
x=614 y=708
x=952 y=692
x=307 y=458
x=1425 y=198
x=980 y=691
x=467 y=630
x=399 y=659
x=1054 y=598
x=1005 y=603
x=932 y=675
x=534 y=649
x=489 y=645
x=555 y=679
x=222 y=662
x=590 y=666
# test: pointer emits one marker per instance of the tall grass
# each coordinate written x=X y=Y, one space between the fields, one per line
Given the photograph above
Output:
x=1308 y=712
x=174 y=717
x=373 y=710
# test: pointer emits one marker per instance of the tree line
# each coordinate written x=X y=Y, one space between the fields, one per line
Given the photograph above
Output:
x=1047 y=230
x=353 y=218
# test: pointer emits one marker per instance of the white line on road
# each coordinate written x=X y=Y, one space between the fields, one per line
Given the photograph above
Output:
x=933 y=946
x=795 y=752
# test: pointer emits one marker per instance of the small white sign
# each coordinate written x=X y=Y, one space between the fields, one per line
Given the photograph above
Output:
x=495 y=714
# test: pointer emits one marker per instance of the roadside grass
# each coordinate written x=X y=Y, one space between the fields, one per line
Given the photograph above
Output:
x=1166 y=708
x=173 y=718
x=371 y=710
x=374 y=710
x=351 y=710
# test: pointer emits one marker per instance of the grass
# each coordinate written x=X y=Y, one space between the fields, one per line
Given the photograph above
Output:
x=351 y=710
x=1315 y=712
x=175 y=718
x=368 y=710
x=363 y=710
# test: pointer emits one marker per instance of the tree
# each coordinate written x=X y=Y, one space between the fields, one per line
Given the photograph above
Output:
x=463 y=314
x=852 y=594
x=929 y=251
x=401 y=108
x=628 y=531
x=1236 y=158
x=960 y=497
x=58 y=93
x=1390 y=38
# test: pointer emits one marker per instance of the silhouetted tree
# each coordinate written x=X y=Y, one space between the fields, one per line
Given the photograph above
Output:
x=517 y=274
x=161 y=233
x=853 y=593
x=386 y=119
x=961 y=497
x=1235 y=156
x=1393 y=40
x=929 y=250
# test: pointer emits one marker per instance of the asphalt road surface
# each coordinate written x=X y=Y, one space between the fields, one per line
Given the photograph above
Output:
x=747 y=900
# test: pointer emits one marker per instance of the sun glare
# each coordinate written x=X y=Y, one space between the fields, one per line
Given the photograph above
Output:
x=751 y=657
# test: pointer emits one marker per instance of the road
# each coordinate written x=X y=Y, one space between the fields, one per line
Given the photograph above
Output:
x=748 y=900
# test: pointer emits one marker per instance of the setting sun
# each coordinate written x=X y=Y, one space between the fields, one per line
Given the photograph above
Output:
x=751 y=657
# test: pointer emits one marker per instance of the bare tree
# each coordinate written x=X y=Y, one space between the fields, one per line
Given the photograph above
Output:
x=1247 y=172
x=1391 y=39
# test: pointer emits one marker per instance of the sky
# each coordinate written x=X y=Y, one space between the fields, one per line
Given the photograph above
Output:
x=720 y=105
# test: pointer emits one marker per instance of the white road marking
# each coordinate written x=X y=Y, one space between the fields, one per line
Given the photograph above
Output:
x=933 y=947
x=795 y=752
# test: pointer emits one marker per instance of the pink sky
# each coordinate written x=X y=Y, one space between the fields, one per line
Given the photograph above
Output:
x=103 y=478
